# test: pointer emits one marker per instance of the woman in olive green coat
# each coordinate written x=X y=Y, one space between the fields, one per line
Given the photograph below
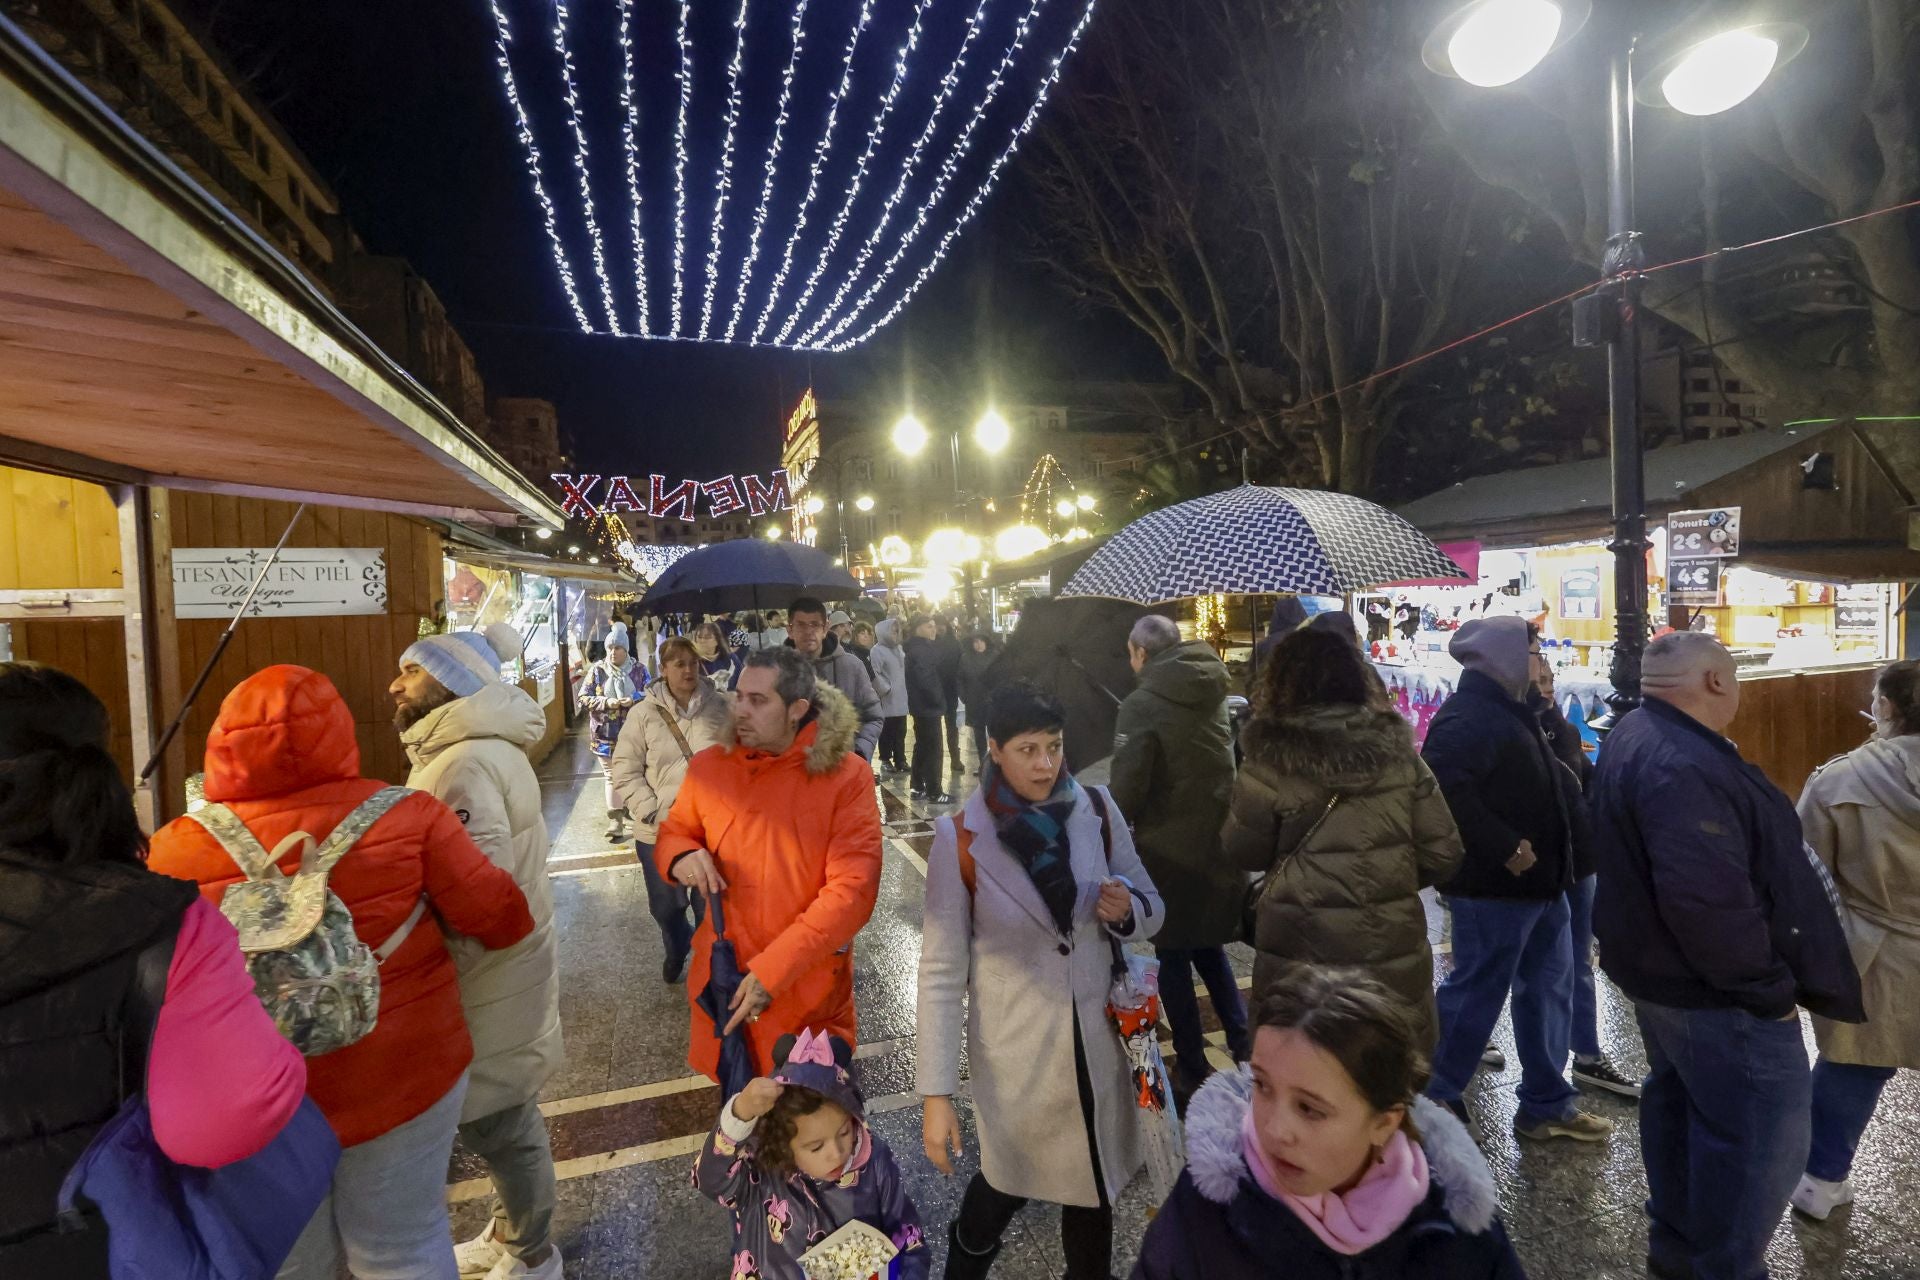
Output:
x=1333 y=798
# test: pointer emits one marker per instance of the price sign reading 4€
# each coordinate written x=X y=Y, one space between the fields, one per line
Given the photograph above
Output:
x=1696 y=535
x=1694 y=582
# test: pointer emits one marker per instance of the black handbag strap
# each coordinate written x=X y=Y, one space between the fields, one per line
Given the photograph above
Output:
x=141 y=1009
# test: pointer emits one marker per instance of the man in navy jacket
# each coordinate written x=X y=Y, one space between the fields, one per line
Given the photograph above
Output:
x=1517 y=807
x=1715 y=918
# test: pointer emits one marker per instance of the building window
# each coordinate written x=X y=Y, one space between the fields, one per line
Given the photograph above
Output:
x=1732 y=386
x=1699 y=409
x=893 y=522
x=860 y=470
x=1699 y=384
x=893 y=470
x=193 y=78
x=242 y=132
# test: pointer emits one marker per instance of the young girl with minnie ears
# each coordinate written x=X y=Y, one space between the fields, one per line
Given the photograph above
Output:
x=793 y=1159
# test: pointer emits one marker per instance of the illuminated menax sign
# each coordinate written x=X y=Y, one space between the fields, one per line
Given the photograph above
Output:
x=756 y=495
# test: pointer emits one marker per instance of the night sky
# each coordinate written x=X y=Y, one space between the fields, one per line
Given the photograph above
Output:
x=400 y=108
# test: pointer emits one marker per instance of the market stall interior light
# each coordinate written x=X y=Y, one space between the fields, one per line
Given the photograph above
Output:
x=992 y=433
x=1720 y=73
x=909 y=435
x=1019 y=542
x=574 y=550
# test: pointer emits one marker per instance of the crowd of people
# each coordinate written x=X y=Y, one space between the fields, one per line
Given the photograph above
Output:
x=304 y=899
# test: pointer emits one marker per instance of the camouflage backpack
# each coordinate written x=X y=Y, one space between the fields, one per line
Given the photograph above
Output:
x=317 y=979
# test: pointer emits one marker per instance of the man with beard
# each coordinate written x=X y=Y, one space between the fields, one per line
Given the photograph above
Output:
x=467 y=735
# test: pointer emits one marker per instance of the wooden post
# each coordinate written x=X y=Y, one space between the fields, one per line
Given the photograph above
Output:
x=152 y=639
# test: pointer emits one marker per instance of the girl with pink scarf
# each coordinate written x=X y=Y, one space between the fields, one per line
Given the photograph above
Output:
x=1321 y=1159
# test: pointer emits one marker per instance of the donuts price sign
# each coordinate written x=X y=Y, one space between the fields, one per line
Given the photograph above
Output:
x=1699 y=535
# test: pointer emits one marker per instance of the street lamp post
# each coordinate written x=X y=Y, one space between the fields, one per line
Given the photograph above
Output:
x=991 y=435
x=1491 y=43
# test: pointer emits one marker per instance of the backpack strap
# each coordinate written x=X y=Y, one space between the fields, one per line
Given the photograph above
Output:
x=384 y=952
x=963 y=839
x=355 y=825
x=233 y=835
x=1099 y=798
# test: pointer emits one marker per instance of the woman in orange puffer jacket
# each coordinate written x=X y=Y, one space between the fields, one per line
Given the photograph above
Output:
x=283 y=757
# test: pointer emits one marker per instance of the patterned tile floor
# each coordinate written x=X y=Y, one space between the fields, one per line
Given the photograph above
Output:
x=625 y=1116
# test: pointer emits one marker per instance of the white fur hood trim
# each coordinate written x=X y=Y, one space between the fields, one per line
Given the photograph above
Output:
x=1219 y=1169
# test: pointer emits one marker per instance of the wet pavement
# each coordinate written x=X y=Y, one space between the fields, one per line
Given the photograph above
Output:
x=626 y=1117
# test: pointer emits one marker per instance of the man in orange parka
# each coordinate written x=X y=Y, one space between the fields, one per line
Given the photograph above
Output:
x=785 y=825
x=283 y=757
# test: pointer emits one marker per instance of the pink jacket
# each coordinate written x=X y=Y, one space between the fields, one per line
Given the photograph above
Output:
x=221 y=1082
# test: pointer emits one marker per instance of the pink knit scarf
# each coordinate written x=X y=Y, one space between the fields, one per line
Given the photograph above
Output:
x=1373 y=1209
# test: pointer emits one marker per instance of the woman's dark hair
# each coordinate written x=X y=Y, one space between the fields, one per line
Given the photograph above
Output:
x=864 y=627
x=1314 y=668
x=61 y=794
x=1023 y=707
x=710 y=629
x=778 y=1127
x=920 y=620
x=1899 y=683
x=1364 y=1026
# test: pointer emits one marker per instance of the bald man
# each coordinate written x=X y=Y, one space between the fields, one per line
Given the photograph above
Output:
x=1715 y=918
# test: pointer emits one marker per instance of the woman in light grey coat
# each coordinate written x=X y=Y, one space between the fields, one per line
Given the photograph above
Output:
x=1861 y=815
x=890 y=682
x=1026 y=889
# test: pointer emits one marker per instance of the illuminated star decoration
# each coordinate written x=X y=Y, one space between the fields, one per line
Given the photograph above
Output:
x=947 y=89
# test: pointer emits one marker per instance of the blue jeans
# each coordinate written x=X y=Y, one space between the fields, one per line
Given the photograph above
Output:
x=1183 y=1007
x=1502 y=945
x=1586 y=1005
x=1844 y=1096
x=675 y=908
x=1723 y=1132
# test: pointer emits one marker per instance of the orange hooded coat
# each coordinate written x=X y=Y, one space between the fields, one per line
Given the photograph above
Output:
x=282 y=756
x=796 y=836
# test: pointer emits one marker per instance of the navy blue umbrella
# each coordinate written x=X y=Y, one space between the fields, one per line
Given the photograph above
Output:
x=724 y=976
x=747 y=573
x=1259 y=540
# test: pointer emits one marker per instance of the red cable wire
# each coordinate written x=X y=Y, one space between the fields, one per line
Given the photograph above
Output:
x=1424 y=356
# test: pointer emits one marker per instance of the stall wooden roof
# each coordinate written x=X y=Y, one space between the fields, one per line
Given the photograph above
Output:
x=148 y=336
x=1863 y=529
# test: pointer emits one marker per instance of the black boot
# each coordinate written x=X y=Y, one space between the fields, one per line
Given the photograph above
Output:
x=962 y=1263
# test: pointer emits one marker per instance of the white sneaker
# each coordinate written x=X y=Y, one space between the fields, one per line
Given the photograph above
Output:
x=1816 y=1197
x=476 y=1257
x=511 y=1268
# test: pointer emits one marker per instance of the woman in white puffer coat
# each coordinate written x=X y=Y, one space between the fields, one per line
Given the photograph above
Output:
x=681 y=715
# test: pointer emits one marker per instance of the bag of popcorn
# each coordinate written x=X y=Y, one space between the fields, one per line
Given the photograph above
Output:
x=855 y=1252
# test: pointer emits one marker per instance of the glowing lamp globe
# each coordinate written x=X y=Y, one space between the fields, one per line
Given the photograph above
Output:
x=992 y=433
x=1720 y=73
x=863 y=503
x=909 y=435
x=1019 y=542
x=1502 y=40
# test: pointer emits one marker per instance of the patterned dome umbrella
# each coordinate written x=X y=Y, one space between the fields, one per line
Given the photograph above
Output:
x=1256 y=540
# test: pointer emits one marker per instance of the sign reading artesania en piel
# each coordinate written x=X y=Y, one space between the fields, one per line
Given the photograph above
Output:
x=756 y=495
x=303 y=582
x=1697 y=535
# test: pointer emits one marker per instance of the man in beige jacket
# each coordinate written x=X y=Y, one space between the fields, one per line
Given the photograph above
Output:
x=467 y=735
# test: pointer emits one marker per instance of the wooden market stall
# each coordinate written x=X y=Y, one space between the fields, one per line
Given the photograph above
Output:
x=169 y=380
x=1817 y=598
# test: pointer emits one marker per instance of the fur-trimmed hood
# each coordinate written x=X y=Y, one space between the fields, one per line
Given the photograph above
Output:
x=1330 y=745
x=835 y=725
x=1220 y=1172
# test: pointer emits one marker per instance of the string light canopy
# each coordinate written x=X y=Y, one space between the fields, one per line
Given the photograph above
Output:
x=900 y=117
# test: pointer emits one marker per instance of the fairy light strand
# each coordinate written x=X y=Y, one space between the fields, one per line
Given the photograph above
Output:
x=630 y=141
x=908 y=168
x=773 y=162
x=680 y=164
x=962 y=147
x=874 y=135
x=723 y=183
x=503 y=37
x=580 y=163
x=821 y=157
x=972 y=210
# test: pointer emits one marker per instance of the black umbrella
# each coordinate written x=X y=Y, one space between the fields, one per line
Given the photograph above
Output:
x=724 y=977
x=867 y=607
x=747 y=573
x=1077 y=651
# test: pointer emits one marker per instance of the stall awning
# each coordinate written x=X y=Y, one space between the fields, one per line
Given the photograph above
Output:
x=148 y=336
x=471 y=546
x=1056 y=563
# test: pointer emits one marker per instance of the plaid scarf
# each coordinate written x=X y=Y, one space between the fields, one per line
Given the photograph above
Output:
x=1036 y=836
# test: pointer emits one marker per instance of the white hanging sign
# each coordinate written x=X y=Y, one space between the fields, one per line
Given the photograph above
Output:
x=304 y=582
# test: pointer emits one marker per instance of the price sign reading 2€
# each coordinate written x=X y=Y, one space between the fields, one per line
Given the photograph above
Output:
x=1700 y=535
